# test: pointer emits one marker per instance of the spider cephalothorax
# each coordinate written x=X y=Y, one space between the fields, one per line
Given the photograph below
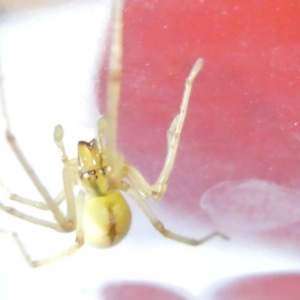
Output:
x=92 y=168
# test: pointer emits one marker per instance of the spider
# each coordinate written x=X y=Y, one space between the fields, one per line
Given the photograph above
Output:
x=98 y=213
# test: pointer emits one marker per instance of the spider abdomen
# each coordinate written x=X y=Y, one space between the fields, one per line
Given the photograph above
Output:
x=106 y=220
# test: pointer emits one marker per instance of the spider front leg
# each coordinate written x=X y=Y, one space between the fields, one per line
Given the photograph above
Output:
x=140 y=189
x=157 y=190
x=174 y=134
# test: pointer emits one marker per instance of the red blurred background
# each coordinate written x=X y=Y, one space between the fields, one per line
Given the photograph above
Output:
x=242 y=122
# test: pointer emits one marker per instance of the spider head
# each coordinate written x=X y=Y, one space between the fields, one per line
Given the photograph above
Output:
x=93 y=168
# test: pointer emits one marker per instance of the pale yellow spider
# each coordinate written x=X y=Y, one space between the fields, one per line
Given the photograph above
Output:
x=98 y=212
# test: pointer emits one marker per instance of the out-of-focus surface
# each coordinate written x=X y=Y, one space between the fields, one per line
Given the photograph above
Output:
x=256 y=287
x=237 y=166
x=243 y=121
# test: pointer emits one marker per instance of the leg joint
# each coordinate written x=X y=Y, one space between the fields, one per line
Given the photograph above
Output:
x=160 y=227
x=159 y=190
x=9 y=137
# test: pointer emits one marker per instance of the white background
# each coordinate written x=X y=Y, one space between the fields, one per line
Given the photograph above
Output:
x=50 y=57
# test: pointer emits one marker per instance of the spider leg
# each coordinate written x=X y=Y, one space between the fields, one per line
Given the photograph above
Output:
x=113 y=94
x=66 y=223
x=36 y=204
x=158 y=225
x=71 y=216
x=20 y=246
x=174 y=133
x=136 y=179
x=77 y=245
x=14 y=212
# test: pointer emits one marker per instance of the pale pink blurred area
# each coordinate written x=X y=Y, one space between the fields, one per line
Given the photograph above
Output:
x=140 y=290
x=280 y=286
x=251 y=205
x=268 y=286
